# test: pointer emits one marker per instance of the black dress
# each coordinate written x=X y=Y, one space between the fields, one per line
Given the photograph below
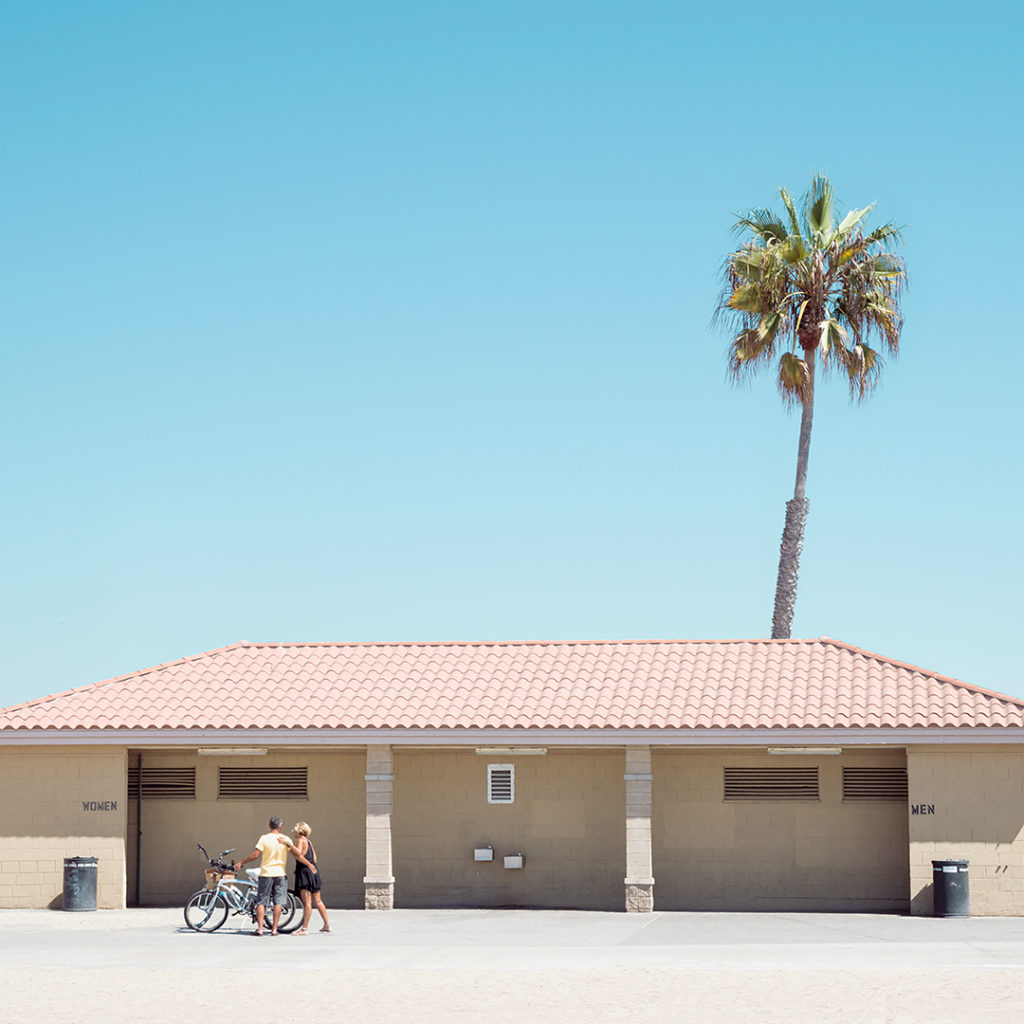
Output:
x=304 y=878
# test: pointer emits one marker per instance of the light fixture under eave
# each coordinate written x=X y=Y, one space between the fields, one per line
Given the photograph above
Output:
x=825 y=751
x=231 y=751
x=510 y=751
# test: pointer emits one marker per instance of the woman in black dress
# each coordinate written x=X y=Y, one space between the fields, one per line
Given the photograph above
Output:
x=307 y=880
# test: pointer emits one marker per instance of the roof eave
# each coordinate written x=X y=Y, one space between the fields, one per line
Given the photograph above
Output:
x=741 y=737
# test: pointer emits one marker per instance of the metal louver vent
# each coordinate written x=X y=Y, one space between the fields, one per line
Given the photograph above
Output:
x=771 y=783
x=163 y=783
x=262 y=784
x=875 y=784
x=500 y=783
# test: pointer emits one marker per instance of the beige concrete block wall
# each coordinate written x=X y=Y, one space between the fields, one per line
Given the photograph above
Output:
x=172 y=867
x=970 y=804
x=825 y=855
x=57 y=803
x=568 y=820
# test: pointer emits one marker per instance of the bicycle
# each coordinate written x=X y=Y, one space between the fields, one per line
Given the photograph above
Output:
x=207 y=909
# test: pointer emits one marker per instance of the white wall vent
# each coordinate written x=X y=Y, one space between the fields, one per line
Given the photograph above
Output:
x=771 y=783
x=162 y=783
x=262 y=784
x=501 y=783
x=875 y=784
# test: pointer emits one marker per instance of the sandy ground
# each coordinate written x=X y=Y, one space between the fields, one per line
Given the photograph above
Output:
x=791 y=969
x=511 y=997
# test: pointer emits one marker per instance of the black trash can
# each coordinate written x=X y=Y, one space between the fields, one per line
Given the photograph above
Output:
x=80 y=883
x=952 y=893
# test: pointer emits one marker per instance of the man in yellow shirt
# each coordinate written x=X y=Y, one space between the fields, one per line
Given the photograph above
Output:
x=272 y=853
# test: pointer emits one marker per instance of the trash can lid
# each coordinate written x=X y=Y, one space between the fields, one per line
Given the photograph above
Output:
x=950 y=863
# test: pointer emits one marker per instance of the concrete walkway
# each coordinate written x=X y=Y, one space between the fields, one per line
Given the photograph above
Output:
x=523 y=966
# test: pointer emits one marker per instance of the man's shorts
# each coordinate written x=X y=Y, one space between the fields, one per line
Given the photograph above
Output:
x=272 y=890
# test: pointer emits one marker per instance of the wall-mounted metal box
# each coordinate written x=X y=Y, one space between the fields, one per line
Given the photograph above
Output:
x=483 y=853
x=514 y=860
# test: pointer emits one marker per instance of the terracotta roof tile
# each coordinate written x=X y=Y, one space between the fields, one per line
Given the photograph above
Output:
x=631 y=684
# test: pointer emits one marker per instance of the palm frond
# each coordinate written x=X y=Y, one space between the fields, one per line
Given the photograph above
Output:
x=819 y=201
x=770 y=325
x=746 y=299
x=794 y=377
x=886 y=266
x=746 y=263
x=864 y=371
x=832 y=348
x=887 y=234
x=832 y=332
x=847 y=224
x=881 y=315
x=794 y=221
x=845 y=311
x=749 y=350
x=800 y=316
x=764 y=224
x=837 y=357
x=794 y=249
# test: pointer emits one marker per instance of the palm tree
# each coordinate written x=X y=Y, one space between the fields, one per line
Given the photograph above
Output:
x=808 y=291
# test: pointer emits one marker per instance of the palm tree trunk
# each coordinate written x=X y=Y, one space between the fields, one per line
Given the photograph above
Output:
x=796 y=519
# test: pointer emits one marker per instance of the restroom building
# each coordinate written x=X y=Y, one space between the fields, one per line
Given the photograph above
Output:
x=805 y=775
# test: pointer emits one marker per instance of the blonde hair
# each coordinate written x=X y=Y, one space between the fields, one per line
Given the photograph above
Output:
x=302 y=828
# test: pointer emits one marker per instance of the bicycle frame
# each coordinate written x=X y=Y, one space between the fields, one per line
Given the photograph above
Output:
x=240 y=894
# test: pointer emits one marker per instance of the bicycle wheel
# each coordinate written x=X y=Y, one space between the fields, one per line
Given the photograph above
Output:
x=206 y=911
x=291 y=914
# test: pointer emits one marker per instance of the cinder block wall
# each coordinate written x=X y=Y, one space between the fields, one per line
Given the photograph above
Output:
x=568 y=820
x=57 y=803
x=172 y=867
x=817 y=856
x=968 y=802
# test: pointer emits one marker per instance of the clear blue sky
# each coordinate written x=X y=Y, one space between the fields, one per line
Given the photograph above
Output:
x=391 y=321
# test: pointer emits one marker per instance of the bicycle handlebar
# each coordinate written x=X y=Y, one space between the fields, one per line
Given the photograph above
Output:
x=217 y=863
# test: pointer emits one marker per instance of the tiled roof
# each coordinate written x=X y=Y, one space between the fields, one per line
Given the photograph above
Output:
x=589 y=685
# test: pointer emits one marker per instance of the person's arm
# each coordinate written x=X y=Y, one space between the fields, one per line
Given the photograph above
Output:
x=255 y=855
x=300 y=854
x=295 y=851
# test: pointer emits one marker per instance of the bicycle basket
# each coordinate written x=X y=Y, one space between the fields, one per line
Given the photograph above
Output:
x=212 y=875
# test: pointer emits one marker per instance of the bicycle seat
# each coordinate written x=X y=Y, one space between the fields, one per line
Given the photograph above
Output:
x=253 y=873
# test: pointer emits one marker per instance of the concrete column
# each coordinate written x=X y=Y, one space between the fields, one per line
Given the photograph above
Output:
x=639 y=870
x=379 y=883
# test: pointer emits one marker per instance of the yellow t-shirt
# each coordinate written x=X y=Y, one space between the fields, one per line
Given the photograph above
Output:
x=274 y=862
